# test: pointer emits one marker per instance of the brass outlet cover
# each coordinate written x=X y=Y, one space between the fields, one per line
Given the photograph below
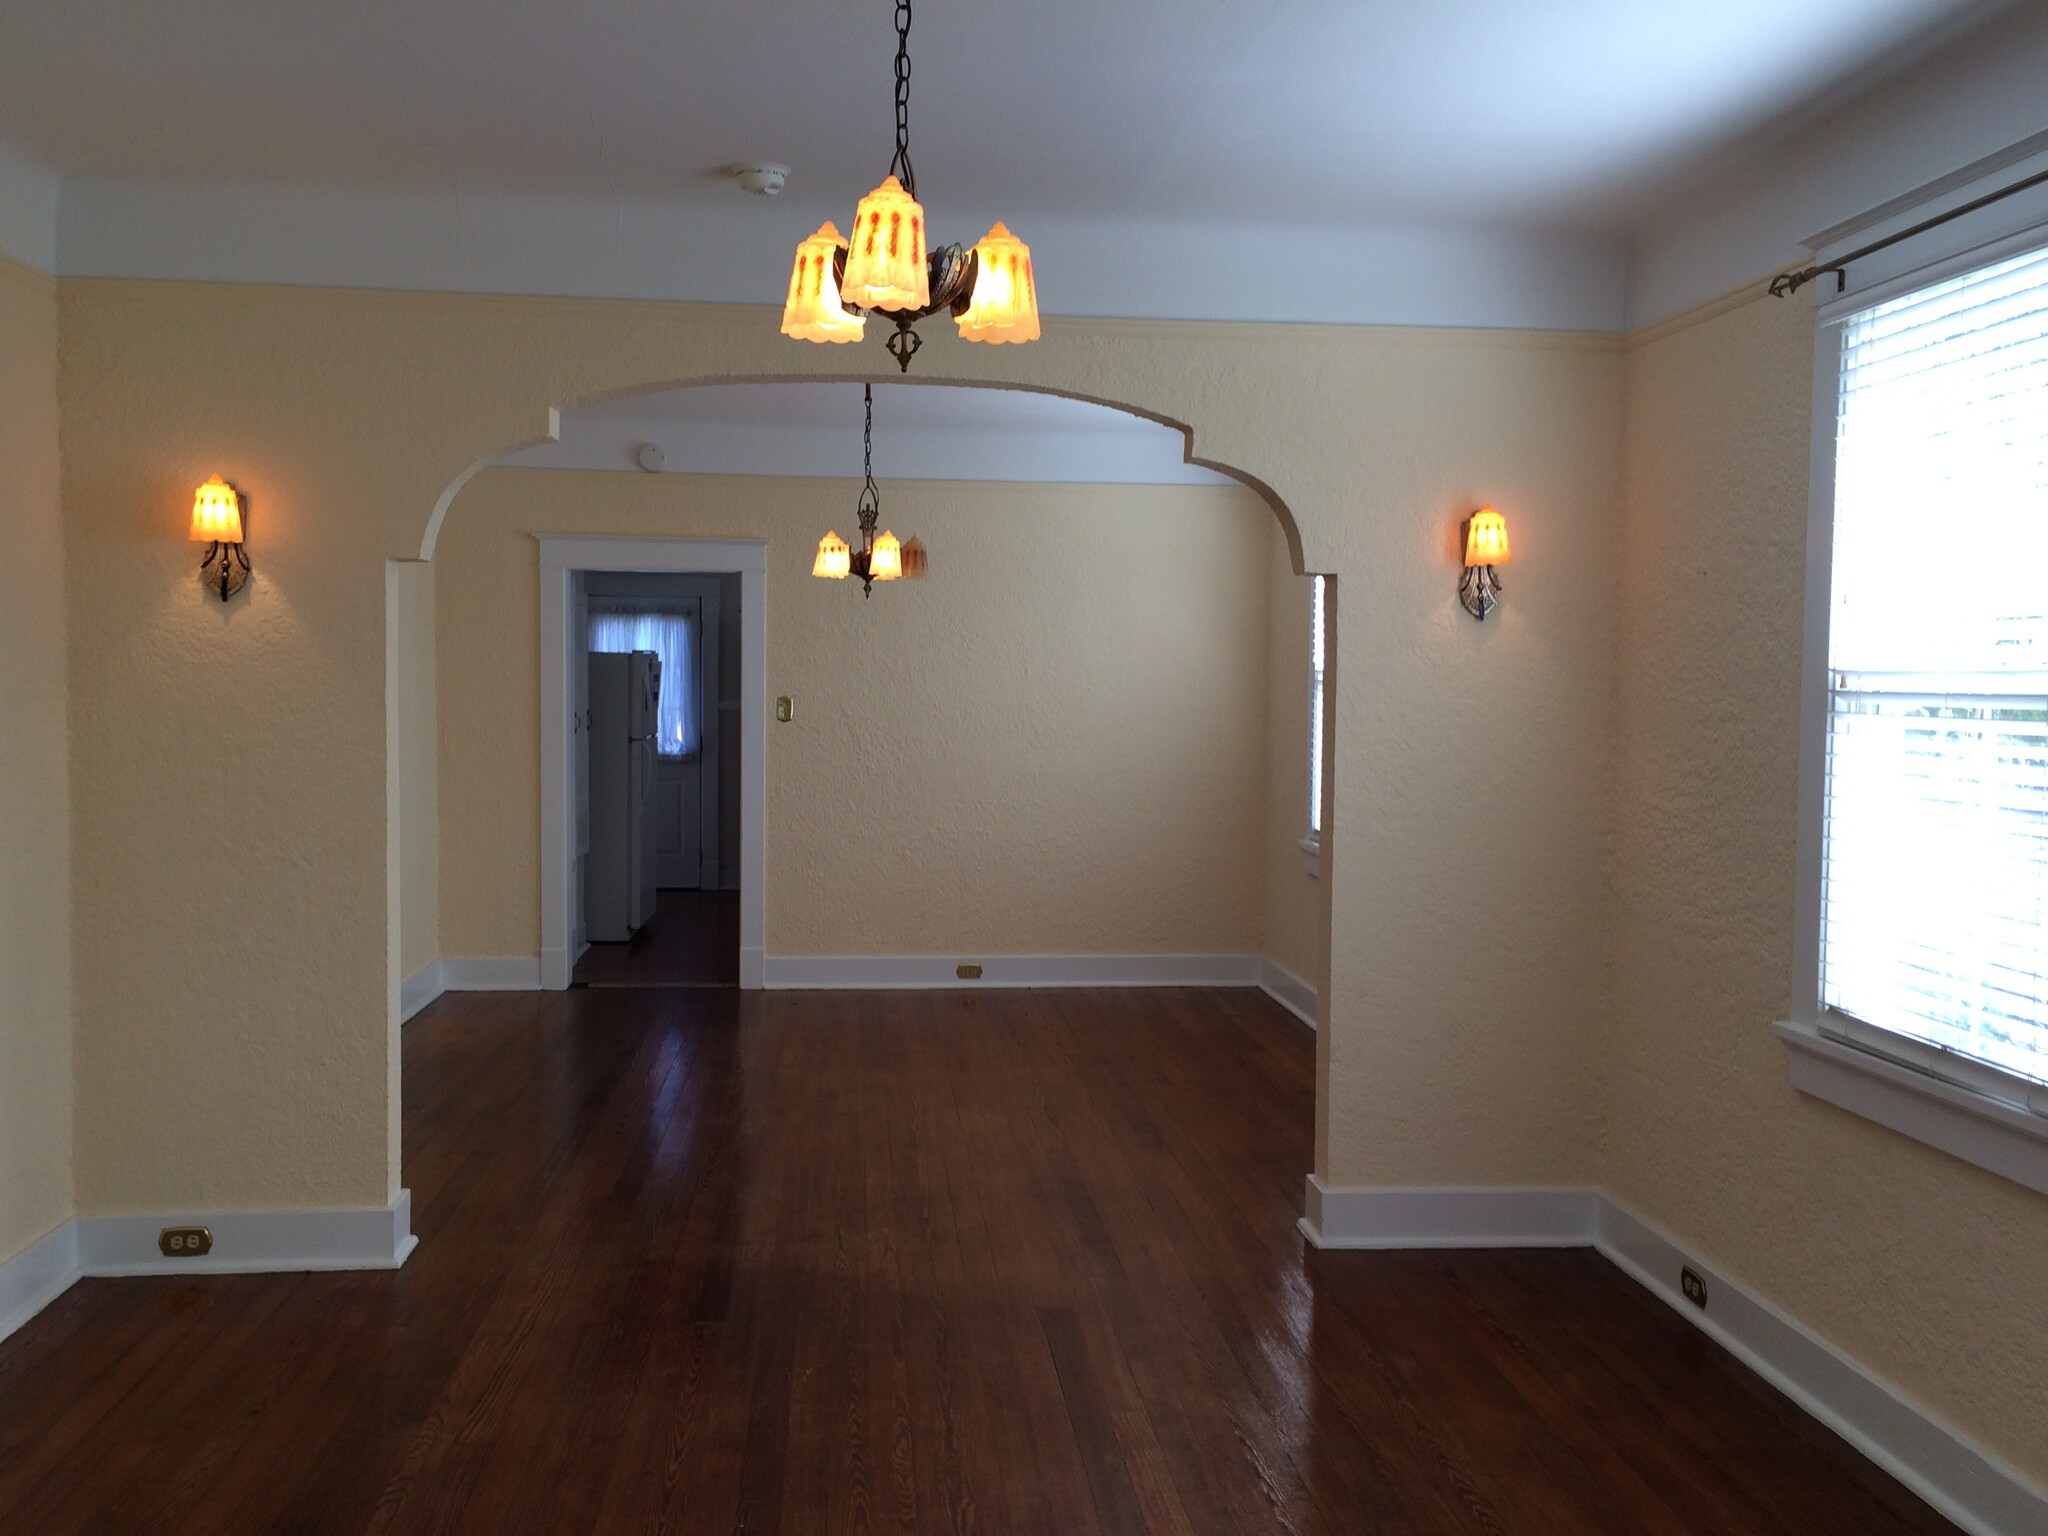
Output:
x=184 y=1242
x=967 y=972
x=785 y=709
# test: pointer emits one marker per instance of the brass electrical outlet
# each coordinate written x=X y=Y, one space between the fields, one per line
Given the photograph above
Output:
x=967 y=972
x=785 y=710
x=1694 y=1287
x=184 y=1242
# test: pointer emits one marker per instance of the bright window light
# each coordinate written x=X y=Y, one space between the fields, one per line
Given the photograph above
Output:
x=1934 y=906
x=1315 y=708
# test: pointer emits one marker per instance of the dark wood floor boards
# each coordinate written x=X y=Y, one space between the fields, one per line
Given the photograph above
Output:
x=700 y=1262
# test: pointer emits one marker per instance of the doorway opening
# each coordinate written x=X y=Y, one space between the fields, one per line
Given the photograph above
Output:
x=653 y=761
x=656 y=731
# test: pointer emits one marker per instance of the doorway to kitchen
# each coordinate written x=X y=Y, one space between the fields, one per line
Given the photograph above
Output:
x=657 y=777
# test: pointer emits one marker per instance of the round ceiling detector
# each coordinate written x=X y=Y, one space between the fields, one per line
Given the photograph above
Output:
x=650 y=457
x=763 y=177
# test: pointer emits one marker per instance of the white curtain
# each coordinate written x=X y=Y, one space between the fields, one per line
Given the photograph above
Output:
x=670 y=633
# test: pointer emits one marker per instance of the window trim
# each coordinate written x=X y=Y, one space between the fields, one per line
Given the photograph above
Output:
x=1971 y=1109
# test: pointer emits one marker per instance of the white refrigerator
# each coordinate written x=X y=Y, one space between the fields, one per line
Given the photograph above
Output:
x=618 y=876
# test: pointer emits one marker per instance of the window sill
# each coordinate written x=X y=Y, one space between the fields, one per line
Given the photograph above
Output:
x=1975 y=1127
x=1312 y=855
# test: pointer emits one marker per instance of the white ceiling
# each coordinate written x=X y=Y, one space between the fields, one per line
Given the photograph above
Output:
x=1559 y=113
x=922 y=432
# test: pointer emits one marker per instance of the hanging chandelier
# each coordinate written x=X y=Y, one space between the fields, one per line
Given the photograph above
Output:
x=834 y=284
x=880 y=558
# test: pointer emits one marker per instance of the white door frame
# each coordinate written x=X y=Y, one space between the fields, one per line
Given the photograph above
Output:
x=562 y=555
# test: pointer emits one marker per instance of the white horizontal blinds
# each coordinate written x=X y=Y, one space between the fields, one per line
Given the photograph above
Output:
x=1935 y=900
x=1315 y=707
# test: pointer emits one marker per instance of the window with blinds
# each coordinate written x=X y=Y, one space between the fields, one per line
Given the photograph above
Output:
x=1315 y=708
x=1934 y=916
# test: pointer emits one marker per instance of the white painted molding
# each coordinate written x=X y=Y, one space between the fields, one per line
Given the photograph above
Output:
x=37 y=1276
x=420 y=989
x=1289 y=991
x=1960 y=1479
x=244 y=1243
x=925 y=972
x=253 y=1242
x=494 y=973
x=561 y=556
x=1975 y=1127
x=1514 y=1217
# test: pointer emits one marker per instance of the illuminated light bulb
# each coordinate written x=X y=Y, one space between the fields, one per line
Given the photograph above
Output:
x=216 y=514
x=834 y=560
x=1486 y=538
x=886 y=562
x=885 y=266
x=813 y=311
x=1004 y=306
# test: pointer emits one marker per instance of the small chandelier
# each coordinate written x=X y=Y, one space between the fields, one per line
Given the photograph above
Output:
x=879 y=558
x=834 y=284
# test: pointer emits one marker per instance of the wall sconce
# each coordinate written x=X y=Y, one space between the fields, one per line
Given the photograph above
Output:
x=1486 y=546
x=217 y=523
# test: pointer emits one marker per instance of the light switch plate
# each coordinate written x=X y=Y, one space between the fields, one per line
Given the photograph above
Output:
x=784 y=709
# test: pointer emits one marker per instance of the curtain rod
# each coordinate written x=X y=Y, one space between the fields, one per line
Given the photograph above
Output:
x=1786 y=283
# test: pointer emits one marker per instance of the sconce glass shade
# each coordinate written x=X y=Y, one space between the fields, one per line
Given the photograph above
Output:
x=216 y=514
x=886 y=562
x=1486 y=538
x=1004 y=306
x=885 y=268
x=813 y=311
x=834 y=560
x=915 y=561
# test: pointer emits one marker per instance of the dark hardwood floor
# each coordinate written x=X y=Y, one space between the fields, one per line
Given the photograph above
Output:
x=693 y=940
x=708 y=1261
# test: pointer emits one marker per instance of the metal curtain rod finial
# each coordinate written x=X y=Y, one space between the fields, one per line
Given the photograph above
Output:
x=1787 y=283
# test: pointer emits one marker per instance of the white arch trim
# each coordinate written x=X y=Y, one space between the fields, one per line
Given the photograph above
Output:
x=561 y=556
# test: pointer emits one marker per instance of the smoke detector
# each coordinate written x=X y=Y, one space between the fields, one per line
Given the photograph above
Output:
x=763 y=177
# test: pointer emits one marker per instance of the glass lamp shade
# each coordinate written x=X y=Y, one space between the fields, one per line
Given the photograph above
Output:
x=813 y=311
x=885 y=563
x=834 y=560
x=915 y=561
x=1004 y=306
x=1486 y=538
x=885 y=268
x=216 y=514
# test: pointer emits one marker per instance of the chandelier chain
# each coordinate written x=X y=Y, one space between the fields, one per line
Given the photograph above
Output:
x=899 y=167
x=870 y=495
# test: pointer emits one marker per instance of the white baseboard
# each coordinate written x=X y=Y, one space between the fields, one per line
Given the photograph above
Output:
x=1943 y=1466
x=244 y=1243
x=253 y=1242
x=1960 y=1479
x=496 y=973
x=753 y=969
x=1450 y=1218
x=37 y=1276
x=1289 y=991
x=419 y=989
x=910 y=972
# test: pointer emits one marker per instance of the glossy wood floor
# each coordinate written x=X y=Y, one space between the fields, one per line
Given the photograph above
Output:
x=693 y=940
x=717 y=1262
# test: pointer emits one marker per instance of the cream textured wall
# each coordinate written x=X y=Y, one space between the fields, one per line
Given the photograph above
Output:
x=35 y=797
x=415 y=679
x=236 y=943
x=1291 y=933
x=1924 y=1268
x=1005 y=759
